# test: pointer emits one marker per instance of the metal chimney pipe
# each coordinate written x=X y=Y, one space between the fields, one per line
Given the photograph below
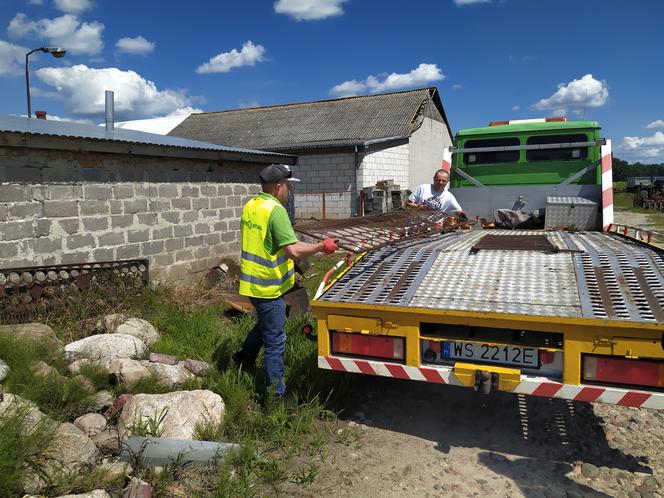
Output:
x=110 y=118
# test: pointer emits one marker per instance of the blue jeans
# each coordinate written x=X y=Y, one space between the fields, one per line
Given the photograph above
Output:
x=269 y=333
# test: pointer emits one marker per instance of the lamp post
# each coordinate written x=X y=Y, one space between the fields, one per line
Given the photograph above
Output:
x=55 y=52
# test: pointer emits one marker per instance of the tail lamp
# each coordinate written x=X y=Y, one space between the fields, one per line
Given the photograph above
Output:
x=546 y=357
x=377 y=346
x=623 y=371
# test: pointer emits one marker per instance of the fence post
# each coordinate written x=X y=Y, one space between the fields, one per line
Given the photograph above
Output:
x=323 y=195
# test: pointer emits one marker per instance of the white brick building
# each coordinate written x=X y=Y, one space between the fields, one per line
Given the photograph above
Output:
x=343 y=145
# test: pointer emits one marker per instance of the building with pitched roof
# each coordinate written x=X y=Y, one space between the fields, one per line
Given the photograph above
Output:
x=343 y=145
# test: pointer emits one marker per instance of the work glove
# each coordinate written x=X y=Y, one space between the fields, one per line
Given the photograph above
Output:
x=462 y=215
x=330 y=245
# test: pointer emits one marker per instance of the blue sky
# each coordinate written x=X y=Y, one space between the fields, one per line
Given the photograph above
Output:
x=490 y=59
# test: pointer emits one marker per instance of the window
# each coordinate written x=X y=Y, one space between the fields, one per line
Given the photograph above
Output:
x=508 y=156
x=566 y=154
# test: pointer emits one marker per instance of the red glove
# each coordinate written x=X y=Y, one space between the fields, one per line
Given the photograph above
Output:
x=330 y=245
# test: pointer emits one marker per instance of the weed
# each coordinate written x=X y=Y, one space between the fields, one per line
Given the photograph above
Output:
x=306 y=475
x=149 y=426
x=151 y=384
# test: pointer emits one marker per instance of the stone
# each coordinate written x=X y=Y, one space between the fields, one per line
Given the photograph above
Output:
x=115 y=470
x=84 y=382
x=117 y=406
x=4 y=370
x=122 y=324
x=97 y=493
x=127 y=371
x=197 y=367
x=182 y=411
x=42 y=369
x=33 y=415
x=101 y=346
x=37 y=332
x=589 y=470
x=172 y=376
x=75 y=367
x=91 y=424
x=137 y=489
x=107 y=441
x=101 y=400
x=166 y=359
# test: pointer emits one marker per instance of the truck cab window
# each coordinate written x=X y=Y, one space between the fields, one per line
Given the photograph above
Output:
x=483 y=157
x=563 y=154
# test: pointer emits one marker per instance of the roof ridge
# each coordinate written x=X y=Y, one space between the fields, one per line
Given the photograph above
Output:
x=315 y=101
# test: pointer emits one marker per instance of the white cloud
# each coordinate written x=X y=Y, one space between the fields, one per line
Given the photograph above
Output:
x=225 y=61
x=12 y=58
x=651 y=147
x=83 y=87
x=184 y=111
x=249 y=104
x=65 y=31
x=559 y=113
x=309 y=10
x=73 y=6
x=516 y=107
x=469 y=2
x=137 y=45
x=457 y=86
x=423 y=74
x=53 y=117
x=583 y=92
x=35 y=2
x=656 y=124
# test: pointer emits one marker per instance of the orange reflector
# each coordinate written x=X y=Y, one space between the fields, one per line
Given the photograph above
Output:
x=369 y=345
x=546 y=357
x=623 y=371
x=555 y=120
x=498 y=123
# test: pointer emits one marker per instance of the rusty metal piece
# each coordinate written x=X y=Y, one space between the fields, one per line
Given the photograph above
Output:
x=25 y=292
x=297 y=302
x=372 y=232
x=604 y=293
x=653 y=302
x=515 y=243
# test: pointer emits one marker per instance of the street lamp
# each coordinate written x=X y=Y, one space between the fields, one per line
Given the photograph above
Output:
x=55 y=52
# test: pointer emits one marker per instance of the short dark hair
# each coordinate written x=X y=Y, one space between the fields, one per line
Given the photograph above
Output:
x=442 y=171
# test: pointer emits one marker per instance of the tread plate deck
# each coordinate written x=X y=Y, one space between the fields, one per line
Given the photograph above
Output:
x=596 y=275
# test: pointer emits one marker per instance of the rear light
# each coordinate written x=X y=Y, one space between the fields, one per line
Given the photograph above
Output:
x=546 y=357
x=623 y=371
x=555 y=120
x=378 y=346
x=498 y=123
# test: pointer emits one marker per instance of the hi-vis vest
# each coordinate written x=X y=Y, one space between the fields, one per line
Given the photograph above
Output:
x=262 y=274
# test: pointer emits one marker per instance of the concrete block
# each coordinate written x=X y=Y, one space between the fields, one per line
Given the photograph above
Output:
x=220 y=226
x=161 y=260
x=173 y=244
x=200 y=203
x=123 y=191
x=225 y=190
x=60 y=209
x=234 y=224
x=13 y=193
x=130 y=251
x=202 y=252
x=69 y=226
x=122 y=220
x=79 y=241
x=240 y=190
x=43 y=228
x=201 y=228
x=64 y=192
x=17 y=230
x=186 y=255
x=162 y=233
x=76 y=257
x=138 y=235
x=212 y=239
x=218 y=202
x=168 y=190
x=46 y=245
x=8 y=250
x=149 y=219
x=190 y=216
x=170 y=217
x=194 y=241
x=208 y=190
x=234 y=200
x=229 y=236
x=98 y=192
x=190 y=191
x=135 y=206
x=183 y=230
x=151 y=248
x=159 y=205
x=112 y=239
x=4 y=213
x=237 y=212
x=23 y=210
x=87 y=207
x=104 y=254
x=116 y=206
x=95 y=224
x=181 y=203
x=226 y=213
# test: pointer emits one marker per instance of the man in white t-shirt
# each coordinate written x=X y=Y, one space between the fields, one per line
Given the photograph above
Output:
x=434 y=196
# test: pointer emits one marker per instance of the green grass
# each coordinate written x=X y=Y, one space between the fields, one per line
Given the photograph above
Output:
x=623 y=200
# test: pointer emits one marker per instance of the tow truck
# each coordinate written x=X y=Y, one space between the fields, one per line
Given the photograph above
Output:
x=571 y=310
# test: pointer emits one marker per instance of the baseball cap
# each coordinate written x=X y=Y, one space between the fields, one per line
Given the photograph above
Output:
x=274 y=173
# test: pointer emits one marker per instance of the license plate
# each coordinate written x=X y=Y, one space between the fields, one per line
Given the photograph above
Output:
x=491 y=353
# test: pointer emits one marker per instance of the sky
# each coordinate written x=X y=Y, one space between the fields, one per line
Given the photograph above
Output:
x=491 y=60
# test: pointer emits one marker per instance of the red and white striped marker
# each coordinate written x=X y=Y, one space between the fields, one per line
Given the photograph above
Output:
x=607 y=186
x=447 y=159
x=531 y=385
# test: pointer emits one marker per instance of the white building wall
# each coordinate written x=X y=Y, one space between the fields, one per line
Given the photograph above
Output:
x=391 y=163
x=426 y=151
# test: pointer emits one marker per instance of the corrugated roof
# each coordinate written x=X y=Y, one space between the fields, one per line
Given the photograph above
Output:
x=325 y=123
x=66 y=129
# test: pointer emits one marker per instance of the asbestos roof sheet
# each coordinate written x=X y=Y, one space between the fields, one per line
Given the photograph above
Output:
x=326 y=123
x=66 y=129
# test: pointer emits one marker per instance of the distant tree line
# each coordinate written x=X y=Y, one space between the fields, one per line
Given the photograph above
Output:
x=622 y=169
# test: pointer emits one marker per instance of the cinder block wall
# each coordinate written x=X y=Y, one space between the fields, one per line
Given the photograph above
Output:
x=390 y=163
x=60 y=207
x=336 y=205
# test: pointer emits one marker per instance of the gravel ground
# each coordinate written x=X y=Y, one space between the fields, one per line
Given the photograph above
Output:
x=419 y=439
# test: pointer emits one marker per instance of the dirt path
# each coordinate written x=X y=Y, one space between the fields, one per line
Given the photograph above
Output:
x=420 y=439
x=637 y=220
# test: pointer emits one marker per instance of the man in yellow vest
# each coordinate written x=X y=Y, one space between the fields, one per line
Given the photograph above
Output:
x=267 y=270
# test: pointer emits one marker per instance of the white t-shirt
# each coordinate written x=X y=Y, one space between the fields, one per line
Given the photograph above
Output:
x=442 y=201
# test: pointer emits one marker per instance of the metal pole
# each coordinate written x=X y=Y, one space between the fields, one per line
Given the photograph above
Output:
x=110 y=111
x=27 y=83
